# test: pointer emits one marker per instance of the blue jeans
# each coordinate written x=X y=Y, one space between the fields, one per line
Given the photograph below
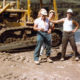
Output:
x=42 y=37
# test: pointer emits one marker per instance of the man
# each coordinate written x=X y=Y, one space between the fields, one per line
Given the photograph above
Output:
x=51 y=17
x=41 y=25
x=68 y=34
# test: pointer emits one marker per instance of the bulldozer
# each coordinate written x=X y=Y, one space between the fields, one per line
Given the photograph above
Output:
x=16 y=24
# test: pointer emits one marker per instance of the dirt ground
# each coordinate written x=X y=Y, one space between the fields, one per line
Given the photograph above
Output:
x=20 y=66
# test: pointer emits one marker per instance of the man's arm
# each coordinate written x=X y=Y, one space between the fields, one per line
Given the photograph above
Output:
x=49 y=31
x=36 y=28
x=53 y=26
x=58 y=21
x=77 y=26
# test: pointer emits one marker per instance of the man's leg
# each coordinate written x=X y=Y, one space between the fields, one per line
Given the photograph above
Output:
x=48 y=44
x=73 y=45
x=38 y=47
x=48 y=47
x=64 y=44
x=42 y=49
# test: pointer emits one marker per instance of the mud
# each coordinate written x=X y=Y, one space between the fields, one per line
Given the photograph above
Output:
x=20 y=66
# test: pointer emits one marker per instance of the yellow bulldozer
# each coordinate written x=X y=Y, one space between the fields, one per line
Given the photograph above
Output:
x=16 y=24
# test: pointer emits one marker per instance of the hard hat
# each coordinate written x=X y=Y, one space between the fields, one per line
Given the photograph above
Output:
x=42 y=9
x=52 y=11
x=44 y=12
x=69 y=11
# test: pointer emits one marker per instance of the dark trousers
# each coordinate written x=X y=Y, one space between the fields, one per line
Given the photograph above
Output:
x=69 y=37
x=42 y=37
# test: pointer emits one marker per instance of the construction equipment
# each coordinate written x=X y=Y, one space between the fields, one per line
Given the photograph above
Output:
x=16 y=26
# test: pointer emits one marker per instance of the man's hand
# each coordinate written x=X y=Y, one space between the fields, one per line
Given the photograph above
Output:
x=41 y=29
x=74 y=30
x=37 y=29
x=49 y=31
x=77 y=26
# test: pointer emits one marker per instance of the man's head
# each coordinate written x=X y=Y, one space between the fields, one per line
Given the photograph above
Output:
x=51 y=14
x=43 y=14
x=39 y=13
x=69 y=13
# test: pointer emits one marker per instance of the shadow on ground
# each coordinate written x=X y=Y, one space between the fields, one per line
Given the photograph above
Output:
x=31 y=48
x=67 y=57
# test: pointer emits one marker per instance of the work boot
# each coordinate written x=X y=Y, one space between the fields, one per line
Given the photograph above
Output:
x=62 y=59
x=37 y=62
x=40 y=58
x=49 y=60
x=77 y=59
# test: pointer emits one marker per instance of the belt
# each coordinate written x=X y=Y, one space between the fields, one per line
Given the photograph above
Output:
x=45 y=31
x=68 y=31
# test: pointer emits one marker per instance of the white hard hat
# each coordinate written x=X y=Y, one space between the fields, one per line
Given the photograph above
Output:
x=69 y=11
x=44 y=12
x=43 y=9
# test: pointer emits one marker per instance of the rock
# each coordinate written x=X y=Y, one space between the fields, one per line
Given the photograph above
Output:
x=13 y=66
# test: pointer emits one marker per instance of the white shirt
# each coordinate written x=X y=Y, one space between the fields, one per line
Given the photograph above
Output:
x=67 y=25
x=42 y=24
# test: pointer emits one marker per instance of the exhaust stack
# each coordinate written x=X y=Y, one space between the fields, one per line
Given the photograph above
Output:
x=18 y=4
x=4 y=3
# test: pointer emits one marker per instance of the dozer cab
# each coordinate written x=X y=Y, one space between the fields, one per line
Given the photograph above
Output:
x=16 y=24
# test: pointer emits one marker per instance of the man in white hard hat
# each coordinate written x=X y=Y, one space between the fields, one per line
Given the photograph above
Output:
x=51 y=17
x=41 y=25
x=68 y=34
